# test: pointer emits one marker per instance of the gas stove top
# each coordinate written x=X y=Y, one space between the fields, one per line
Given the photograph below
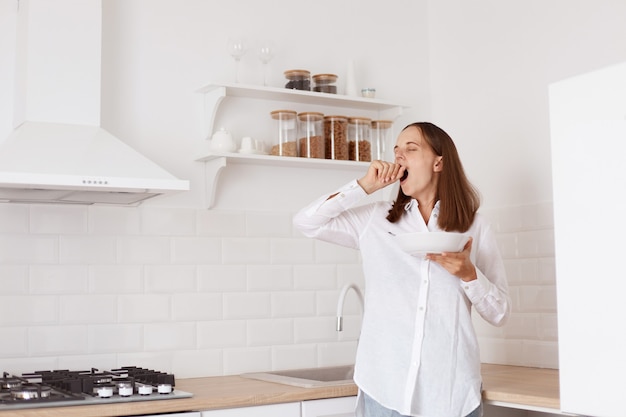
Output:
x=64 y=387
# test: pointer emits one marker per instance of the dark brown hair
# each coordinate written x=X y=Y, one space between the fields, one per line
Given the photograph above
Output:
x=458 y=198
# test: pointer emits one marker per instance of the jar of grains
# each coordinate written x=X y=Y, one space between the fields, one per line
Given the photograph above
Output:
x=298 y=79
x=359 y=145
x=381 y=138
x=336 y=137
x=311 y=142
x=285 y=129
x=325 y=83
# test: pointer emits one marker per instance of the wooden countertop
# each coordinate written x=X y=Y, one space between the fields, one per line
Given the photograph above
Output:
x=524 y=386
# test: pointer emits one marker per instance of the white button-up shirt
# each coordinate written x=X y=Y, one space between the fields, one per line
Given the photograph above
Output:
x=417 y=353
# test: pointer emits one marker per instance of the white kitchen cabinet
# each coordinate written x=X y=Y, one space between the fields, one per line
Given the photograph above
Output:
x=588 y=127
x=213 y=94
x=272 y=410
x=329 y=407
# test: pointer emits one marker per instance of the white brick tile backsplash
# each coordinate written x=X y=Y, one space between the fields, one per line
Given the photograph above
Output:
x=294 y=356
x=507 y=243
x=268 y=224
x=251 y=359
x=87 y=250
x=207 y=292
x=315 y=277
x=315 y=329
x=105 y=220
x=13 y=279
x=245 y=251
x=33 y=310
x=536 y=243
x=14 y=218
x=270 y=278
x=169 y=336
x=163 y=221
x=221 y=223
x=87 y=361
x=329 y=253
x=501 y=351
x=538 y=298
x=59 y=340
x=222 y=334
x=548 y=327
x=252 y=305
x=14 y=342
x=105 y=338
x=222 y=278
x=269 y=332
x=196 y=250
x=196 y=307
x=540 y=354
x=293 y=304
x=522 y=326
x=197 y=363
x=88 y=309
x=116 y=279
x=170 y=278
x=144 y=250
x=66 y=219
x=143 y=308
x=59 y=279
x=341 y=353
x=291 y=251
x=29 y=249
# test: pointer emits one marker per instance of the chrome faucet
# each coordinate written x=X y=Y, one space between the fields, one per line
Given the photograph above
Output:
x=342 y=297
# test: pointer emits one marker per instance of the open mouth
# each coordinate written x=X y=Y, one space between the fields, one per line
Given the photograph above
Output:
x=404 y=175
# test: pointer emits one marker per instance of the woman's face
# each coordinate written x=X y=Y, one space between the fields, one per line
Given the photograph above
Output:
x=420 y=161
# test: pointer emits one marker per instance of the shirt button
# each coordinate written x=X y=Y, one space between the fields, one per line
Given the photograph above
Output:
x=425 y=281
x=467 y=287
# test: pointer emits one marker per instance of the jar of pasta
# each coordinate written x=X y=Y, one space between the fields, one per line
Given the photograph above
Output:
x=336 y=137
x=381 y=138
x=311 y=135
x=285 y=129
x=359 y=144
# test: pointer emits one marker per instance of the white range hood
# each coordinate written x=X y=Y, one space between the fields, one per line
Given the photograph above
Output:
x=58 y=153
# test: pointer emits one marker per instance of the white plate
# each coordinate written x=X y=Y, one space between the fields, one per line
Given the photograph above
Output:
x=432 y=242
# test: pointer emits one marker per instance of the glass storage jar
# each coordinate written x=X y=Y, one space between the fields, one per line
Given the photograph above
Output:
x=381 y=139
x=311 y=135
x=336 y=137
x=359 y=145
x=286 y=130
x=325 y=83
x=298 y=79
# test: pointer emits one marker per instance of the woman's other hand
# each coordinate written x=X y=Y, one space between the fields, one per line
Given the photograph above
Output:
x=457 y=263
x=379 y=175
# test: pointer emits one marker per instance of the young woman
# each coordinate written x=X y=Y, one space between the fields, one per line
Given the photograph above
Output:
x=417 y=354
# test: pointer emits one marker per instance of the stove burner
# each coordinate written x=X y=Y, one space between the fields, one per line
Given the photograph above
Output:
x=64 y=387
x=30 y=392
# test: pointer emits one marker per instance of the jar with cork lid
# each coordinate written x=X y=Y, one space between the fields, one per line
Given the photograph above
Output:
x=285 y=129
x=311 y=135
x=359 y=142
x=336 y=137
x=381 y=138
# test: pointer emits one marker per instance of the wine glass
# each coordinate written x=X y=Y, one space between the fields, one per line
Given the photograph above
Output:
x=237 y=48
x=266 y=53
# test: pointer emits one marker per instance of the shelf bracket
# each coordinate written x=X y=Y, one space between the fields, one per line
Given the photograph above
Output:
x=212 y=169
x=210 y=102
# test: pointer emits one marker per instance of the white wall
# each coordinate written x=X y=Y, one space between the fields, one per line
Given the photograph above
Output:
x=234 y=289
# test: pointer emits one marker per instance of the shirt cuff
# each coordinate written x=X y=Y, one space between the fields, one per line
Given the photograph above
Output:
x=476 y=289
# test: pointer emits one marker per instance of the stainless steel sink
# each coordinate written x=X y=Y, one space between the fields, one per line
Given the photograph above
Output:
x=309 y=377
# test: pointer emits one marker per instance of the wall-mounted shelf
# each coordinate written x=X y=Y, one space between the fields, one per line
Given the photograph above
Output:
x=216 y=161
x=213 y=94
